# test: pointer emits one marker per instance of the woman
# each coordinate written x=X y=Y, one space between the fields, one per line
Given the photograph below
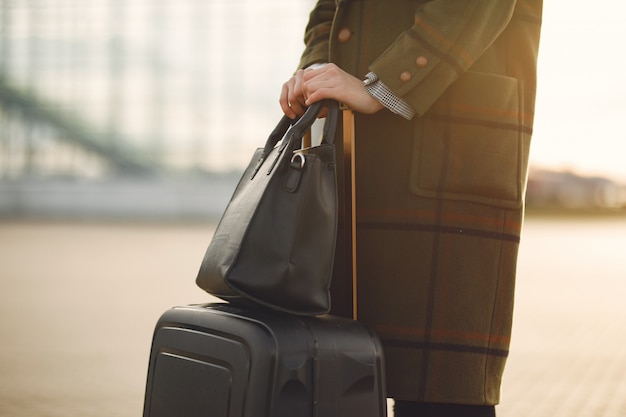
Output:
x=444 y=94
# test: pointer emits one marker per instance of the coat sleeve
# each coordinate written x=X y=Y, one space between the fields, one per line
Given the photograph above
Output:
x=317 y=34
x=447 y=37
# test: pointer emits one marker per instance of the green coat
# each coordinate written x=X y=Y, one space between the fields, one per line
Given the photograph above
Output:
x=440 y=197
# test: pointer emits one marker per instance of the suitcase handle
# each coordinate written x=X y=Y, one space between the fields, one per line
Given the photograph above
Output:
x=350 y=206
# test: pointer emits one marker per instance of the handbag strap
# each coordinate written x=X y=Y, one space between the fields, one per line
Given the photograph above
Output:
x=301 y=125
x=293 y=136
x=277 y=134
x=330 y=126
x=310 y=115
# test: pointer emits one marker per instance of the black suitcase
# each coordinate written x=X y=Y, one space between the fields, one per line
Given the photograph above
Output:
x=217 y=360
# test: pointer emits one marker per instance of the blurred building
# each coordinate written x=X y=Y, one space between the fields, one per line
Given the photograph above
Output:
x=106 y=92
x=565 y=189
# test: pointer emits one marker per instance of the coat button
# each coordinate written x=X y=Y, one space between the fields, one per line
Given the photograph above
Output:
x=344 y=35
x=405 y=77
x=421 y=61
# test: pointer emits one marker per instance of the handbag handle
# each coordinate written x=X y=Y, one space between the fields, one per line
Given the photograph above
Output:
x=301 y=125
x=292 y=136
x=310 y=115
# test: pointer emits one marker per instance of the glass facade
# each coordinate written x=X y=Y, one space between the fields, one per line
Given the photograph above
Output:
x=101 y=88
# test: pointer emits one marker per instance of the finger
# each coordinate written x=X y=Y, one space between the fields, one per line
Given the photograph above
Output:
x=297 y=108
x=324 y=89
x=295 y=95
x=310 y=74
x=321 y=94
x=298 y=85
x=328 y=84
x=284 y=101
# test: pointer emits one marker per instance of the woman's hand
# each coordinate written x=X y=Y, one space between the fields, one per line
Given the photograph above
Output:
x=328 y=82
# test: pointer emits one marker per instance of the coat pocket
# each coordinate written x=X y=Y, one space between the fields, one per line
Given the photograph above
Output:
x=472 y=145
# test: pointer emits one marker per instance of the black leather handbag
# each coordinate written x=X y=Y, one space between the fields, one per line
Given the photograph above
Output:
x=275 y=243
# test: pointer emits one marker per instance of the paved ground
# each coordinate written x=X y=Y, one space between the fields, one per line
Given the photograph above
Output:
x=568 y=357
x=78 y=304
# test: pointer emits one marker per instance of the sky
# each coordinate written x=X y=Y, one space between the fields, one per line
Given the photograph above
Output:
x=581 y=96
